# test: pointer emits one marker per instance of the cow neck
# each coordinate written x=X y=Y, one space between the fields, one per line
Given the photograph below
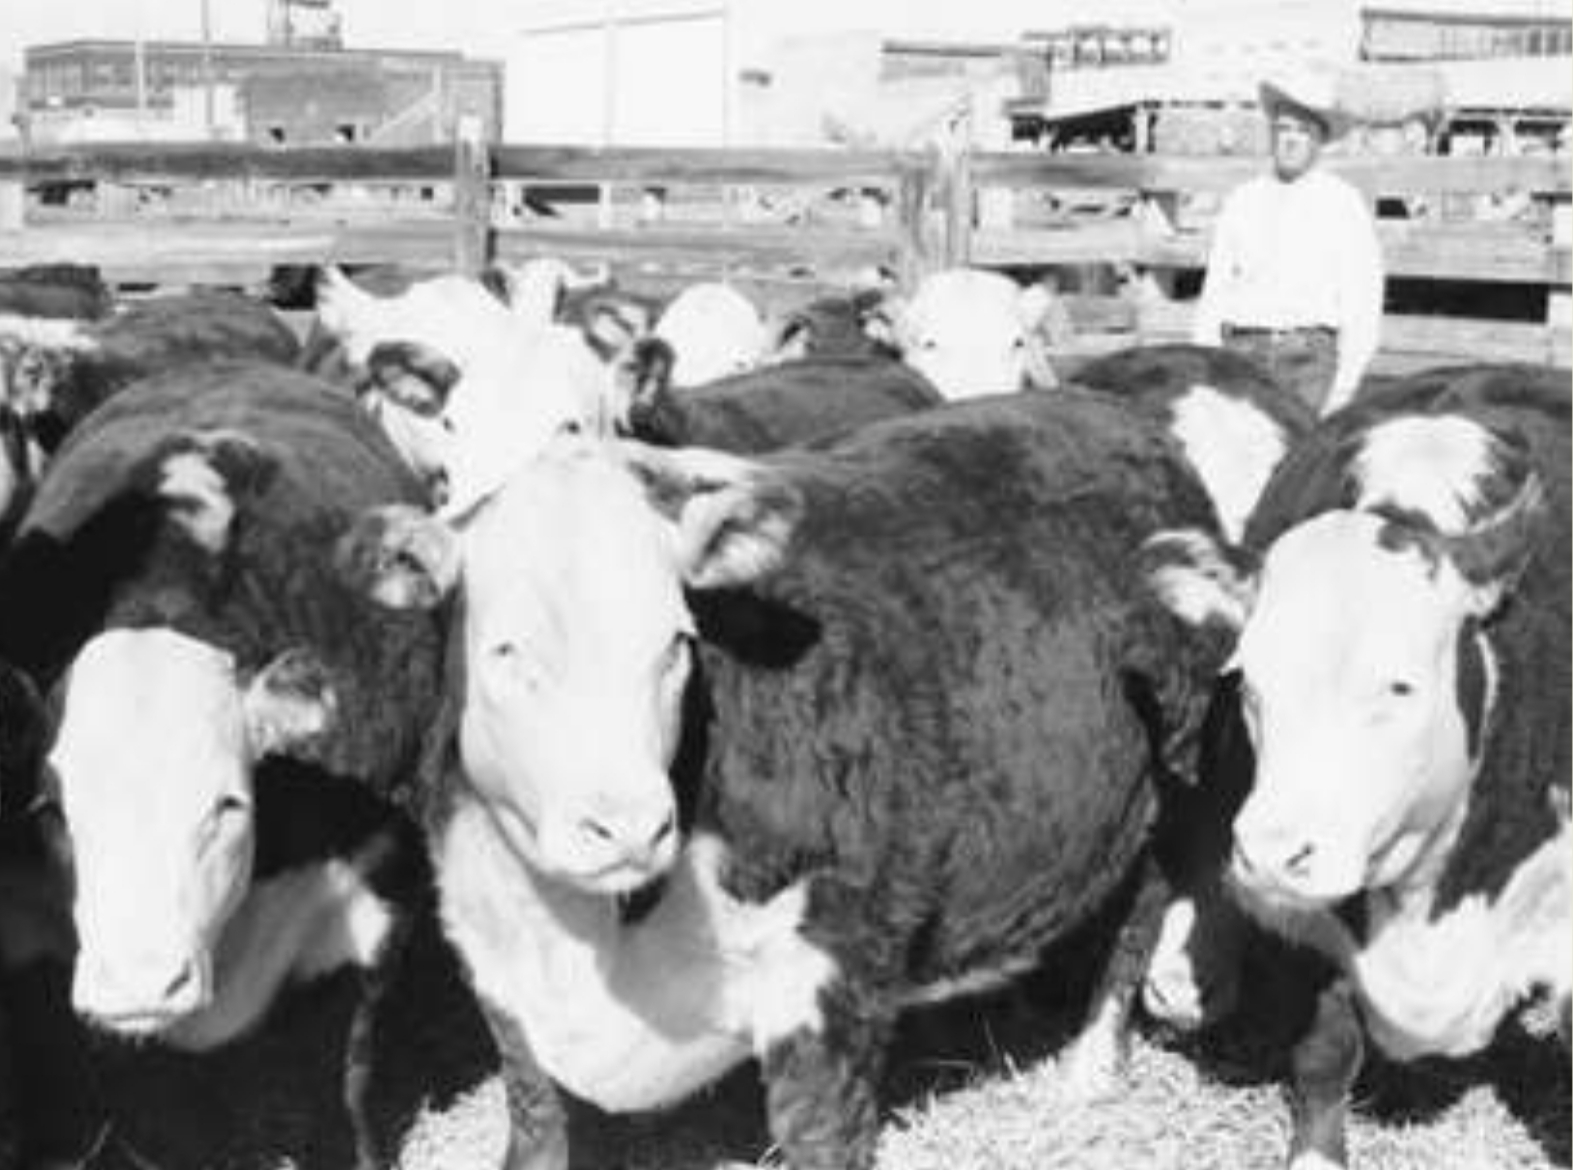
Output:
x=1523 y=770
x=628 y=1017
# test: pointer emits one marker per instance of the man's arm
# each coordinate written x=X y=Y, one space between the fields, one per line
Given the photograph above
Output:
x=1360 y=286
x=1223 y=261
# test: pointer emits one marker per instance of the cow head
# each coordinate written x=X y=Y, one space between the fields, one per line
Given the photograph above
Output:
x=972 y=333
x=577 y=641
x=158 y=733
x=462 y=387
x=714 y=331
x=1366 y=675
x=151 y=766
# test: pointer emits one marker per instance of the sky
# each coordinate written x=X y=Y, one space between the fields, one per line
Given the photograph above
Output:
x=470 y=24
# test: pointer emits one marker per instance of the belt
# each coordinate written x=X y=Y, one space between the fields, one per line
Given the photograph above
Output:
x=1297 y=333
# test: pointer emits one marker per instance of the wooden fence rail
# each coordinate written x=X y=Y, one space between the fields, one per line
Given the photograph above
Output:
x=932 y=202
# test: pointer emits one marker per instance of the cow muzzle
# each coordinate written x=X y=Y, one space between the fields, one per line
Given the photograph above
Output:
x=1283 y=861
x=142 y=995
x=611 y=848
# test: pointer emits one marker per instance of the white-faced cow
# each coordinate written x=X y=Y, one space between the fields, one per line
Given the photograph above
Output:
x=463 y=389
x=1402 y=664
x=972 y=333
x=912 y=686
x=714 y=331
x=235 y=730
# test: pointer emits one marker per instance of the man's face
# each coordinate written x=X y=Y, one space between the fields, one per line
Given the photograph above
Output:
x=1297 y=141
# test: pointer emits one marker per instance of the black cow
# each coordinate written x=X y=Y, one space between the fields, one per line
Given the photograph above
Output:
x=235 y=733
x=909 y=691
x=56 y=372
x=1402 y=671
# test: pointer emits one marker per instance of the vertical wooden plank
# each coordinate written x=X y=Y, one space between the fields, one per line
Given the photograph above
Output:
x=1559 y=304
x=472 y=234
x=914 y=258
x=957 y=192
x=13 y=204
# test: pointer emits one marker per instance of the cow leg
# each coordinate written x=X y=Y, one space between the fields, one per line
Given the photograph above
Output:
x=537 y=1120
x=822 y=1085
x=360 y=1052
x=1096 y=1061
x=1326 y=1061
x=1194 y=977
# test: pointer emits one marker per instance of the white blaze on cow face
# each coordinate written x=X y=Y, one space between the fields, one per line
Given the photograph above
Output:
x=152 y=768
x=972 y=333
x=1349 y=664
x=153 y=772
x=517 y=386
x=576 y=636
x=714 y=331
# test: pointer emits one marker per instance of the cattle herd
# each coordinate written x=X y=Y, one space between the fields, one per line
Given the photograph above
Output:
x=687 y=687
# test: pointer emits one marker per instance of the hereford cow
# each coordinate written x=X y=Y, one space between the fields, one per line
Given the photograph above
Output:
x=714 y=331
x=1401 y=607
x=972 y=333
x=57 y=371
x=887 y=717
x=463 y=389
x=236 y=731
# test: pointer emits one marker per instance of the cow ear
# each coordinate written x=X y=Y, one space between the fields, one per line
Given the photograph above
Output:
x=289 y=704
x=1197 y=579
x=733 y=519
x=400 y=557
x=203 y=477
x=643 y=373
x=1493 y=553
x=414 y=376
x=882 y=321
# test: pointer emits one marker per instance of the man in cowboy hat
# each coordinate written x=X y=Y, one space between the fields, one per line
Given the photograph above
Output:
x=1294 y=279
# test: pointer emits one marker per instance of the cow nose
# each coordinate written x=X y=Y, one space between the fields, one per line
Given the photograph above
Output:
x=1284 y=854
x=139 y=993
x=637 y=837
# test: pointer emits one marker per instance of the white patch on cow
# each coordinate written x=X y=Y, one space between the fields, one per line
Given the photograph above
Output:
x=1441 y=986
x=1233 y=446
x=968 y=331
x=975 y=982
x=1198 y=585
x=61 y=333
x=1171 y=990
x=1311 y=1160
x=1433 y=465
x=297 y=926
x=628 y=1016
x=1090 y=1070
x=200 y=499
x=714 y=331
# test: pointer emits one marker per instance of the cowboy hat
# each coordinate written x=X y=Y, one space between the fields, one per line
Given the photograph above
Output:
x=1309 y=92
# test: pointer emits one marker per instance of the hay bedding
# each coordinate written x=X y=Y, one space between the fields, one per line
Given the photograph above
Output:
x=972 y=1085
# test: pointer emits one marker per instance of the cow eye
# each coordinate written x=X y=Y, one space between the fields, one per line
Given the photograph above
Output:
x=1401 y=687
x=571 y=427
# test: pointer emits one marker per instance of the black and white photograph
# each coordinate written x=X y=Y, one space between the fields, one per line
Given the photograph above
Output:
x=786 y=584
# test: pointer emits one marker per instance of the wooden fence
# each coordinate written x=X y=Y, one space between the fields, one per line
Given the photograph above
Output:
x=231 y=213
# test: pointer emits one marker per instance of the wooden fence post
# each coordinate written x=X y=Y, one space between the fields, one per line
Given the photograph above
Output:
x=472 y=204
x=912 y=219
x=1559 y=304
x=956 y=188
x=13 y=205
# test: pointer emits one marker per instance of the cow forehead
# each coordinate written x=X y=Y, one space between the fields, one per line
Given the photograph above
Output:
x=572 y=541
x=1333 y=594
x=155 y=701
x=966 y=300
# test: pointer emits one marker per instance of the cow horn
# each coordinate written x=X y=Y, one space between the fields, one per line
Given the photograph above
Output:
x=1497 y=546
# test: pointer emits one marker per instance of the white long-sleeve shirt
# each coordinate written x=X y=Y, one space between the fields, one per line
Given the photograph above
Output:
x=1297 y=254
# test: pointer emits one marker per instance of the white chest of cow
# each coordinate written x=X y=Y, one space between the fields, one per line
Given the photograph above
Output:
x=630 y=1017
x=1440 y=986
